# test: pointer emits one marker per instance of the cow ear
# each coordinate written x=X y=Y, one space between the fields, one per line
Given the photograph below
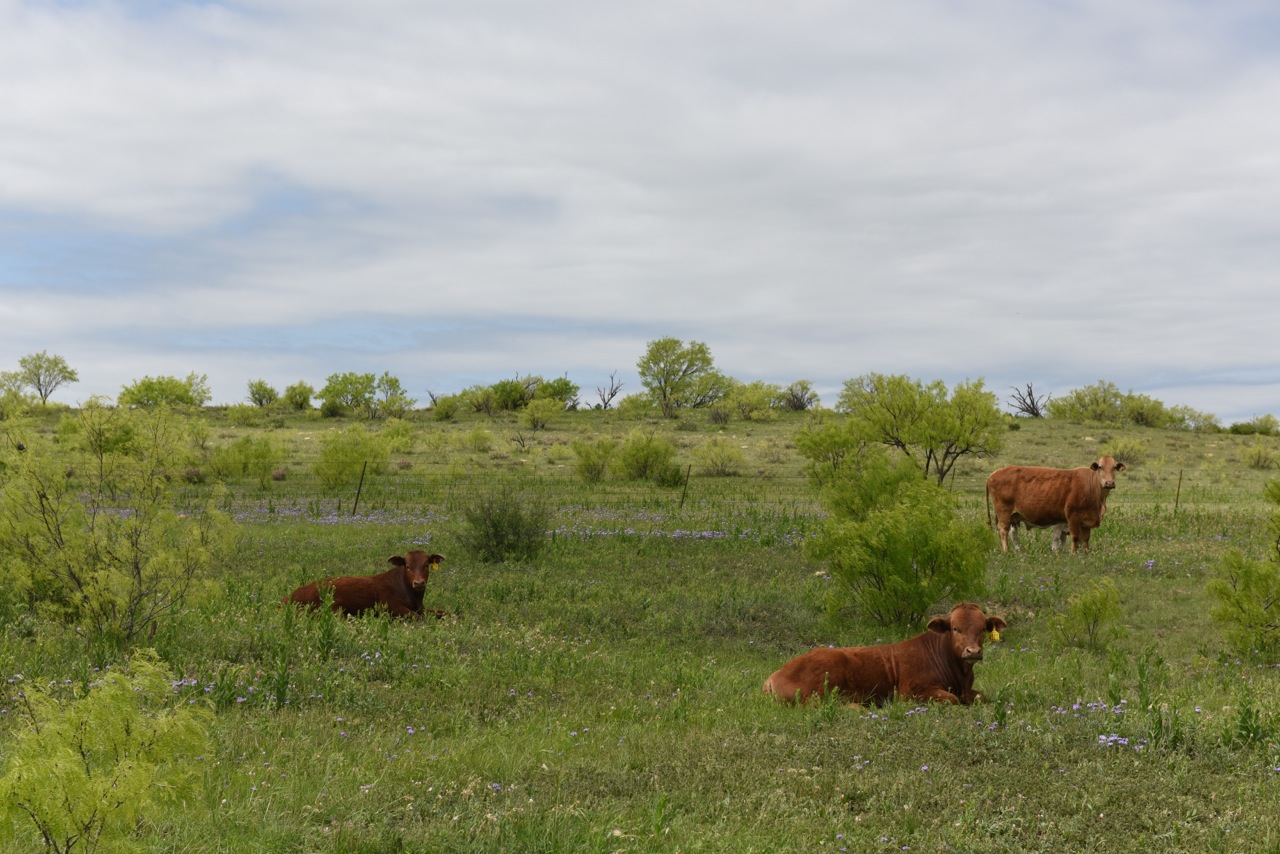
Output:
x=396 y=560
x=996 y=624
x=940 y=624
x=435 y=559
x=1119 y=466
x=1094 y=465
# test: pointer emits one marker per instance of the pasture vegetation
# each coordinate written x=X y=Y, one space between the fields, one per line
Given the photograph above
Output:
x=603 y=692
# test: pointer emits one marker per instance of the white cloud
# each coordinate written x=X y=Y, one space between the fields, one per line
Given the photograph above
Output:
x=459 y=192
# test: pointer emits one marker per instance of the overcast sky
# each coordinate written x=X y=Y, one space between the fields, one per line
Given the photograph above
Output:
x=457 y=192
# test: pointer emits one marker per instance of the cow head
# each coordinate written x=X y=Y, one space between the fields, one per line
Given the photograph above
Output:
x=417 y=566
x=967 y=627
x=1107 y=468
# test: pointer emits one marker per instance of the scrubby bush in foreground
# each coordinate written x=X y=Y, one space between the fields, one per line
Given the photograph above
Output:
x=896 y=543
x=107 y=549
x=83 y=771
x=1247 y=593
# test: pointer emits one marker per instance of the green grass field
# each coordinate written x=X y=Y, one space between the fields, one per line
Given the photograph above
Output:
x=607 y=696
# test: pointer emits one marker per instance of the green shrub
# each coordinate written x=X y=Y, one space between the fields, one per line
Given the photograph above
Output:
x=479 y=441
x=83 y=771
x=108 y=550
x=1263 y=425
x=505 y=526
x=719 y=457
x=538 y=413
x=398 y=435
x=298 y=396
x=644 y=455
x=1247 y=593
x=593 y=457
x=1260 y=457
x=904 y=550
x=244 y=415
x=1090 y=616
x=344 y=454
x=1129 y=451
x=446 y=407
x=246 y=457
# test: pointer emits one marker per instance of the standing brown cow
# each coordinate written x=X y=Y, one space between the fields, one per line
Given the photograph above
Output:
x=399 y=590
x=1039 y=497
x=937 y=665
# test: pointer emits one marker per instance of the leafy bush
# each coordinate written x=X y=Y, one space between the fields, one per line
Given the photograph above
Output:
x=798 y=397
x=348 y=394
x=345 y=453
x=1090 y=616
x=108 y=550
x=446 y=407
x=478 y=440
x=538 y=413
x=244 y=415
x=719 y=457
x=1127 y=450
x=247 y=457
x=754 y=401
x=298 y=396
x=1259 y=456
x=897 y=544
x=1247 y=592
x=152 y=392
x=85 y=770
x=1262 y=425
x=593 y=457
x=646 y=456
x=262 y=394
x=505 y=526
x=398 y=435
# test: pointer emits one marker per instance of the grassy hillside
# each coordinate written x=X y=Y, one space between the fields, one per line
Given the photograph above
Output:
x=607 y=697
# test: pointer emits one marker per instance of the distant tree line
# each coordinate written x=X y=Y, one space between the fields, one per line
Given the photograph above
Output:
x=675 y=376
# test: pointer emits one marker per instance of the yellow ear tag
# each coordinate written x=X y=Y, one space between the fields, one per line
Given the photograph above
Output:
x=995 y=636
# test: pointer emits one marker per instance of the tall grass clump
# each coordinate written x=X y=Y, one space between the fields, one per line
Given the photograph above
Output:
x=1090 y=617
x=85 y=770
x=593 y=457
x=504 y=527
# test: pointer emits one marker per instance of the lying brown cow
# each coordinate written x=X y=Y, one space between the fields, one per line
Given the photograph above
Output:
x=399 y=590
x=937 y=665
x=1039 y=497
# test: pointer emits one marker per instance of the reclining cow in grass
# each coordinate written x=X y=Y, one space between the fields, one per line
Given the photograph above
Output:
x=936 y=665
x=398 y=591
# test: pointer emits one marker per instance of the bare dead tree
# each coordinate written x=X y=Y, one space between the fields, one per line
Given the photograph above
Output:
x=608 y=394
x=1027 y=403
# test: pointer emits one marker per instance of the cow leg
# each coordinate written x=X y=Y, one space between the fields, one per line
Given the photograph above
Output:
x=1059 y=536
x=1085 y=531
x=1002 y=530
x=1079 y=534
